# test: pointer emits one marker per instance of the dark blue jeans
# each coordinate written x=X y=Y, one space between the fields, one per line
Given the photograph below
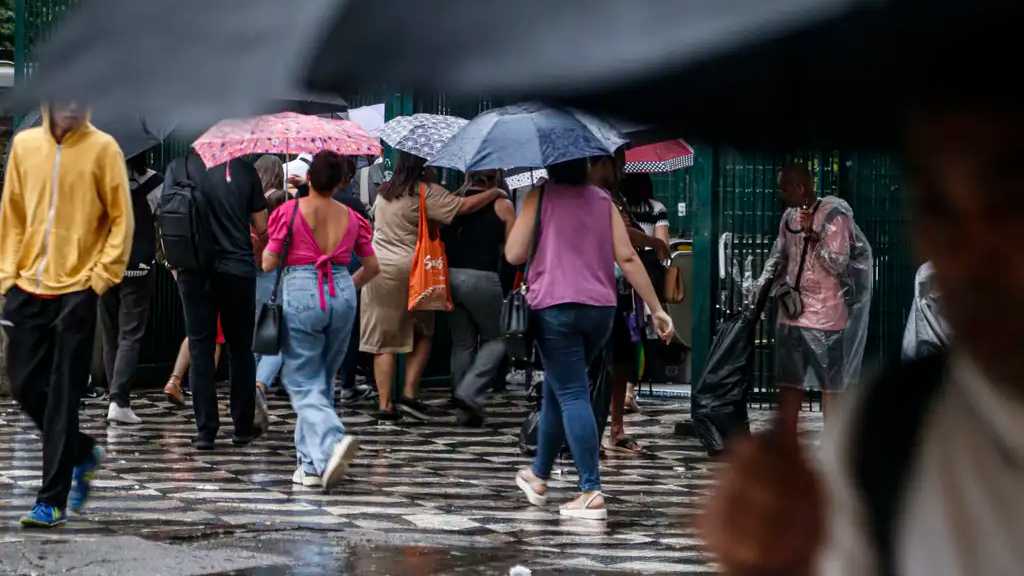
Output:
x=569 y=337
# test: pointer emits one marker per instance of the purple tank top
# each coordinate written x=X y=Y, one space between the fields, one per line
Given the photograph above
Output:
x=575 y=260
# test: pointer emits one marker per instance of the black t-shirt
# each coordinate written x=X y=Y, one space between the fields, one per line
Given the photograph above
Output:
x=230 y=206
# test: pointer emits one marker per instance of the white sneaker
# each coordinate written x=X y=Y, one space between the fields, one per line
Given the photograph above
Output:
x=122 y=415
x=344 y=451
x=302 y=478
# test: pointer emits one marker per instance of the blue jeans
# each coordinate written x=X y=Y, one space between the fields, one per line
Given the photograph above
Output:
x=314 y=347
x=569 y=337
x=267 y=367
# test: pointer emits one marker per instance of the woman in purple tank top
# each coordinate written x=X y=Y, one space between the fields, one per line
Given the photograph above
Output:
x=571 y=283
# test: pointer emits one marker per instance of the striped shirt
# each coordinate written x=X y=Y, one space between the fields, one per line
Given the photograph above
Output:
x=648 y=215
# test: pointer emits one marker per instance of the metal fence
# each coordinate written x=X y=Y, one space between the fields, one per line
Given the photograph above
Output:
x=747 y=220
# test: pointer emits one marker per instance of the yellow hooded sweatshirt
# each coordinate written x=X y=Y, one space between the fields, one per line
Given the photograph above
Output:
x=66 y=214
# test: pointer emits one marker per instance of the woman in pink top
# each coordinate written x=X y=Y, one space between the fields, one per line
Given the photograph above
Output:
x=572 y=292
x=319 y=299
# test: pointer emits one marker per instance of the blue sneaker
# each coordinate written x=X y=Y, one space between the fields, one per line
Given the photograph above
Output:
x=44 y=516
x=81 y=479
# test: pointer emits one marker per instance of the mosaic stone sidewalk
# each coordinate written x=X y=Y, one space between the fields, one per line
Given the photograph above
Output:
x=433 y=483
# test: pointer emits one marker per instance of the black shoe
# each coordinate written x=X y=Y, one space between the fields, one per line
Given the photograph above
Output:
x=685 y=429
x=245 y=439
x=388 y=415
x=93 y=393
x=416 y=409
x=200 y=443
x=470 y=416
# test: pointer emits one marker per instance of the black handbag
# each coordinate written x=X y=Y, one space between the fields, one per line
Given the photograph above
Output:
x=515 y=311
x=267 y=337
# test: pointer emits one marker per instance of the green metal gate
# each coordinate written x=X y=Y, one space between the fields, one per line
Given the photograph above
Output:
x=742 y=196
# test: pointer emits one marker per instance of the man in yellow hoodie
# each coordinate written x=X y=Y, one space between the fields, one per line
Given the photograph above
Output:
x=65 y=236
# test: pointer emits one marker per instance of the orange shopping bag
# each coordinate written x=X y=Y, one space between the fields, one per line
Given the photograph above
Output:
x=428 y=281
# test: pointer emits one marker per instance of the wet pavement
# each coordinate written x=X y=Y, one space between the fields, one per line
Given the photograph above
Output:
x=422 y=498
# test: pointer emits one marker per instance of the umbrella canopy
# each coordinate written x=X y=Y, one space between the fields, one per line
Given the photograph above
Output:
x=421 y=134
x=748 y=72
x=284 y=133
x=527 y=135
x=133 y=132
x=523 y=178
x=659 y=157
x=370 y=118
x=193 y=60
x=308 y=103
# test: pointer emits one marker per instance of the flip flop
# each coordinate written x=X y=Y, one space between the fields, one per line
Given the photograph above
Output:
x=626 y=445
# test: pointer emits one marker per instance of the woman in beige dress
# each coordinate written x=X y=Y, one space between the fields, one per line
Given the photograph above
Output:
x=388 y=328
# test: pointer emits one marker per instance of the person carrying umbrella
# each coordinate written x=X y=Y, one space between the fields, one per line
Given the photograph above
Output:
x=572 y=292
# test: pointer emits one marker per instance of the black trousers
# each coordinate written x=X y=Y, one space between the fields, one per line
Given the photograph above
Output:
x=351 y=362
x=203 y=295
x=48 y=357
x=123 y=315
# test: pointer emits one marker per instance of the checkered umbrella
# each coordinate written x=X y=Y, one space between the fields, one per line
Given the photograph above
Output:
x=421 y=134
x=659 y=157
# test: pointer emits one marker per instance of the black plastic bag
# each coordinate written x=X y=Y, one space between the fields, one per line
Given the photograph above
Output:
x=718 y=402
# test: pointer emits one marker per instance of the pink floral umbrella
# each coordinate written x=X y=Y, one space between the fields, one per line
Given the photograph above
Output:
x=284 y=133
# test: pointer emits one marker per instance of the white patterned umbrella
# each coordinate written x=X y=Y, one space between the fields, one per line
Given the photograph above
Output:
x=421 y=134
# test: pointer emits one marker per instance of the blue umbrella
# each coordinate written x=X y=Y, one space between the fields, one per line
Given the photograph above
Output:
x=530 y=135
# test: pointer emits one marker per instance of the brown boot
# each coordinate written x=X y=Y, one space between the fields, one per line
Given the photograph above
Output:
x=173 y=391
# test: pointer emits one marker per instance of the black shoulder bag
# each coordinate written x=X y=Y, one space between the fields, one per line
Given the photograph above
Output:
x=266 y=338
x=515 y=312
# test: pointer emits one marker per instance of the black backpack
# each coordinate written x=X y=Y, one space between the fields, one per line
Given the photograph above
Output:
x=184 y=227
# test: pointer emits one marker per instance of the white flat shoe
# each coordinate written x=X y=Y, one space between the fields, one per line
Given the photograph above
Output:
x=120 y=415
x=535 y=498
x=344 y=451
x=301 y=478
x=585 y=512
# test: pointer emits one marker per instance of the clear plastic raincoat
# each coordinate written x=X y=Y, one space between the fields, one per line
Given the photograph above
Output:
x=927 y=331
x=834 y=291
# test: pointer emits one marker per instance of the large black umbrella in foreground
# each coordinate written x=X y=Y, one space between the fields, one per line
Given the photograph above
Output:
x=746 y=71
x=194 y=60
x=134 y=133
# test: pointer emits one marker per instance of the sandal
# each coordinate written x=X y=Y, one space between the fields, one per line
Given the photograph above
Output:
x=584 y=507
x=173 y=391
x=626 y=445
x=534 y=488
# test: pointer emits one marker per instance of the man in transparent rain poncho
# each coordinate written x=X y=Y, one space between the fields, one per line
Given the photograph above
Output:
x=822 y=269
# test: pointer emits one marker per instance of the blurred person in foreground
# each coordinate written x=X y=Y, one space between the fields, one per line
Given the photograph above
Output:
x=65 y=236
x=124 y=309
x=319 y=298
x=572 y=296
x=474 y=244
x=924 y=472
x=388 y=327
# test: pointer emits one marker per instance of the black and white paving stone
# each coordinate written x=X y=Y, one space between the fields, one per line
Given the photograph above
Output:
x=415 y=482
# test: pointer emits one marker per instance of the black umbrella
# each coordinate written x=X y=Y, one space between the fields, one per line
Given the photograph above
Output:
x=308 y=103
x=744 y=71
x=193 y=60
x=134 y=133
